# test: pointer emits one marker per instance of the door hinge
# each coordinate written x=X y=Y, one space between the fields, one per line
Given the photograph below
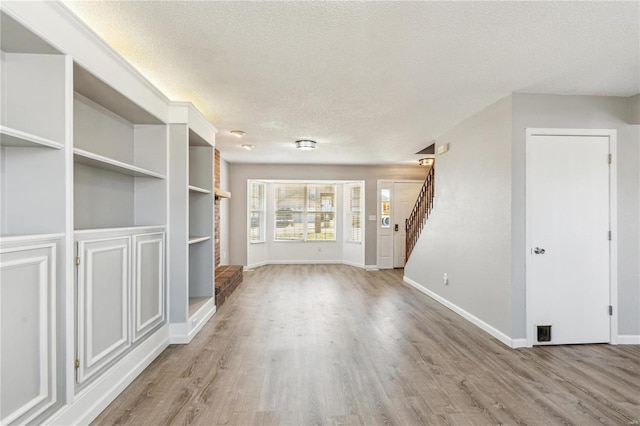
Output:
x=77 y=261
x=610 y=310
x=609 y=158
x=609 y=235
x=77 y=363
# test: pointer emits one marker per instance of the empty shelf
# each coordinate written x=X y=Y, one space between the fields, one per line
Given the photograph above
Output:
x=90 y=159
x=195 y=240
x=18 y=138
x=198 y=189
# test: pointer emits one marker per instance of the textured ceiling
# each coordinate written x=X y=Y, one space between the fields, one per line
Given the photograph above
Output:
x=371 y=82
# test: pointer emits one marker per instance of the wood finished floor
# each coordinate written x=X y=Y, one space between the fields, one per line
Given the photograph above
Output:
x=332 y=344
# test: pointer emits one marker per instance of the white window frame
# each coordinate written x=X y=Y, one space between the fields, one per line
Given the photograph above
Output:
x=305 y=212
x=350 y=212
x=262 y=212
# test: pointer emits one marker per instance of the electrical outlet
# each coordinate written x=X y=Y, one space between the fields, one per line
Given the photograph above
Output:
x=445 y=279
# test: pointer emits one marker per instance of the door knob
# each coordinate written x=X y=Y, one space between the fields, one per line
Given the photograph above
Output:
x=538 y=250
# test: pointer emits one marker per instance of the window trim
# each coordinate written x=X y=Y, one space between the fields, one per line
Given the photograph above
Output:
x=262 y=212
x=349 y=212
x=305 y=212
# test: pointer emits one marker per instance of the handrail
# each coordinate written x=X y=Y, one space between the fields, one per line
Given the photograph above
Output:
x=418 y=217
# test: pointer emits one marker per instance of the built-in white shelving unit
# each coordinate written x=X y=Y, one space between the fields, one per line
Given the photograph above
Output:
x=94 y=160
x=192 y=141
x=120 y=214
x=34 y=106
x=120 y=156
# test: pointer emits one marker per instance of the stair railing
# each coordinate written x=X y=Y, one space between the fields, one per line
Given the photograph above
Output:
x=420 y=213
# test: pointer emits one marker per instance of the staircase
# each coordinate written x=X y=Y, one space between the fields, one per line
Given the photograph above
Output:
x=420 y=213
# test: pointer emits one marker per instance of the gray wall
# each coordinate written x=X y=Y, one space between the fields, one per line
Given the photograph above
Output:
x=468 y=235
x=239 y=173
x=589 y=112
x=634 y=109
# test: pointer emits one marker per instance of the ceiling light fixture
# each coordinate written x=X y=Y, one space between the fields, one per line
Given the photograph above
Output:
x=248 y=146
x=305 y=145
x=238 y=133
x=426 y=161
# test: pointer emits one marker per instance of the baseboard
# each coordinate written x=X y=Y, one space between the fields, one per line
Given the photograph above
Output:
x=308 y=262
x=354 y=264
x=371 y=268
x=255 y=265
x=305 y=262
x=512 y=343
x=629 y=339
x=519 y=343
x=182 y=333
x=91 y=401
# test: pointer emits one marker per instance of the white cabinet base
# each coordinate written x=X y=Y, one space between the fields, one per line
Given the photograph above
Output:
x=28 y=322
x=183 y=333
x=100 y=393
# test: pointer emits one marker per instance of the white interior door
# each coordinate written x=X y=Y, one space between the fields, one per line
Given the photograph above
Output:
x=403 y=199
x=568 y=224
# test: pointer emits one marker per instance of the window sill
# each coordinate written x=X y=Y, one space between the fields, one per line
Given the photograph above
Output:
x=304 y=241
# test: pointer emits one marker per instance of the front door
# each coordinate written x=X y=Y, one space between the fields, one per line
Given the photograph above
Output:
x=405 y=195
x=568 y=231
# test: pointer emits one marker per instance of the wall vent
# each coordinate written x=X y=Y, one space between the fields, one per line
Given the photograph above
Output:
x=544 y=333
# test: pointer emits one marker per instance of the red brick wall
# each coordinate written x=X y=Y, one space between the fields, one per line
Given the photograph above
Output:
x=216 y=210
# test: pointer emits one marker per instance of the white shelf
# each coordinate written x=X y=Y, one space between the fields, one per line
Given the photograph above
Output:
x=94 y=160
x=196 y=303
x=193 y=188
x=124 y=229
x=18 y=138
x=195 y=240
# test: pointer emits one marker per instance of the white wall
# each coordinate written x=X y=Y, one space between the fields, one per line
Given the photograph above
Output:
x=589 y=112
x=240 y=173
x=468 y=235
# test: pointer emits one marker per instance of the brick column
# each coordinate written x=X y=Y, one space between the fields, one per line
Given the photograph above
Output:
x=216 y=210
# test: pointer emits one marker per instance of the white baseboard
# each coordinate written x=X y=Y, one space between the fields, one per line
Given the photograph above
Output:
x=512 y=343
x=91 y=401
x=519 y=343
x=354 y=264
x=255 y=265
x=304 y=262
x=309 y=262
x=371 y=267
x=182 y=333
x=629 y=339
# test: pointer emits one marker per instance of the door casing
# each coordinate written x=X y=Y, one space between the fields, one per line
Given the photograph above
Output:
x=386 y=184
x=613 y=258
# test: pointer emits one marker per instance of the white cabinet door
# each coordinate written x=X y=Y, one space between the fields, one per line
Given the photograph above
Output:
x=103 y=303
x=148 y=283
x=28 y=330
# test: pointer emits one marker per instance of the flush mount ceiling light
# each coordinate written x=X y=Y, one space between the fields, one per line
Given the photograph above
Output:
x=305 y=145
x=238 y=133
x=426 y=161
x=247 y=146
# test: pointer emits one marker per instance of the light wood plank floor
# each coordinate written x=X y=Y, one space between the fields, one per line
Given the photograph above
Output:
x=332 y=344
